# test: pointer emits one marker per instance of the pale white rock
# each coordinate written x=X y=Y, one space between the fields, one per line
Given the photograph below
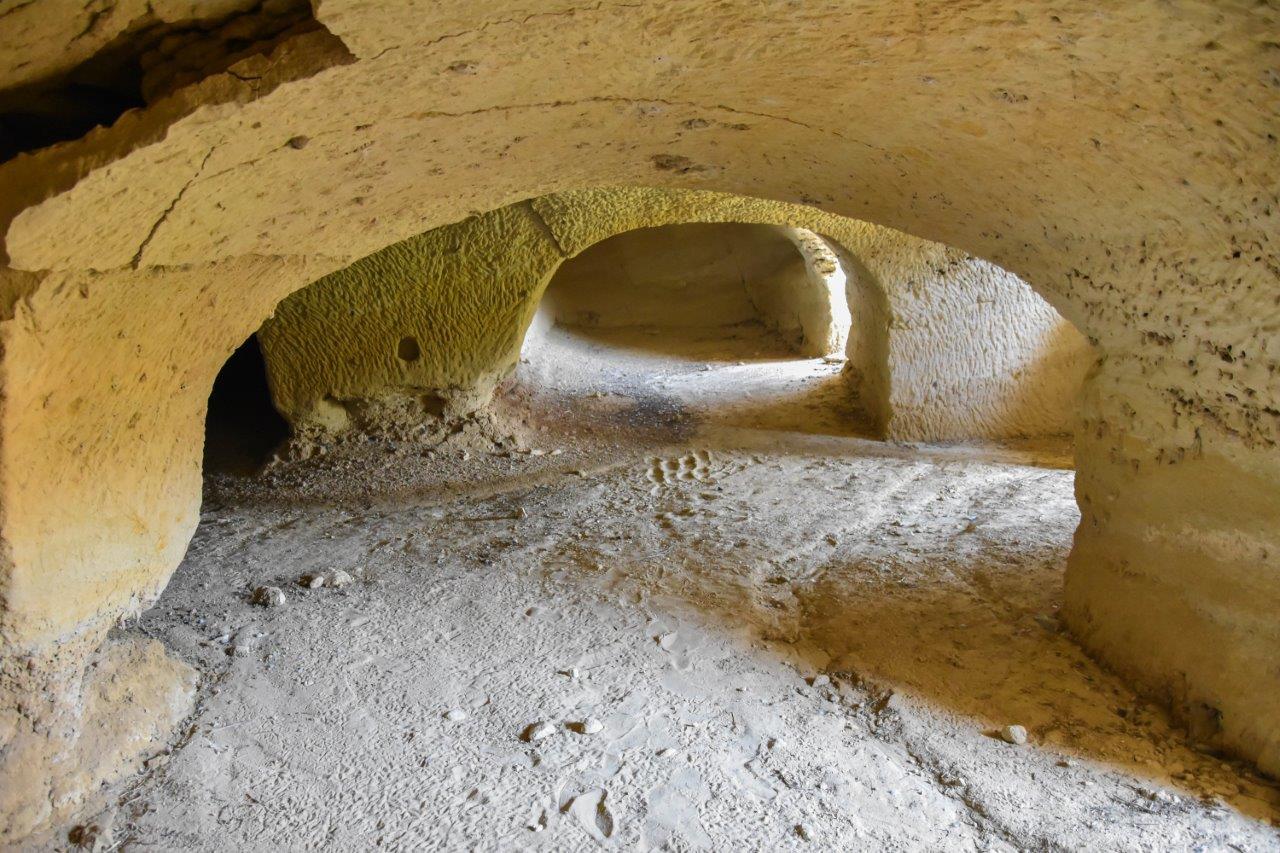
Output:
x=1016 y=735
x=338 y=579
x=589 y=726
x=269 y=596
x=539 y=731
x=333 y=579
x=594 y=816
x=455 y=715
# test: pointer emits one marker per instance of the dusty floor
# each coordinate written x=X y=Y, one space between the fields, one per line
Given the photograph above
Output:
x=708 y=549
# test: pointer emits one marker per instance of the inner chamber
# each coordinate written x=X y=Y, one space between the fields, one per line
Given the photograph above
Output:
x=728 y=322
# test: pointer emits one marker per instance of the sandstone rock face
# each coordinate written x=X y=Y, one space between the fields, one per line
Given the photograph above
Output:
x=818 y=308
x=693 y=275
x=972 y=351
x=1122 y=160
x=80 y=717
x=709 y=275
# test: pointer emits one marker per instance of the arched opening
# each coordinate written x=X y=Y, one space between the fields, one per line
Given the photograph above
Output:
x=242 y=425
x=734 y=322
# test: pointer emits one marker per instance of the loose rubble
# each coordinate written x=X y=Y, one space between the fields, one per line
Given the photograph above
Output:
x=269 y=596
x=331 y=579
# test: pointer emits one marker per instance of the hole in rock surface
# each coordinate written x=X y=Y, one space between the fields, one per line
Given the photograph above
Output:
x=408 y=349
x=242 y=426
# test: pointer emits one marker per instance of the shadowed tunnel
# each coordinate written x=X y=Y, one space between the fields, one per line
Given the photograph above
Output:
x=242 y=427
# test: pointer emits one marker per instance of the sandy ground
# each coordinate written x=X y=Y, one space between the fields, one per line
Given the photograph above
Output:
x=716 y=619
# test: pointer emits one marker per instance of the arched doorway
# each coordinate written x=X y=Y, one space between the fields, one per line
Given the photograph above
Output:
x=728 y=322
x=242 y=426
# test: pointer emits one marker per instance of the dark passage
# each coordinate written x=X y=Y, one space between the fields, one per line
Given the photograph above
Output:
x=242 y=427
x=146 y=62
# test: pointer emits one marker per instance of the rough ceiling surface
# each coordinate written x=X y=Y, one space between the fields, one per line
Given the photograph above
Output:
x=1121 y=158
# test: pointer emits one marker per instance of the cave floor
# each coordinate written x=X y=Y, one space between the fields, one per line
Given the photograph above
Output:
x=791 y=637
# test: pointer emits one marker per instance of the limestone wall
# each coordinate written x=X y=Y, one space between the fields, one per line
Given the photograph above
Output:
x=675 y=275
x=793 y=298
x=822 y=307
x=331 y=348
x=1121 y=158
x=973 y=352
x=457 y=293
x=106 y=377
x=867 y=346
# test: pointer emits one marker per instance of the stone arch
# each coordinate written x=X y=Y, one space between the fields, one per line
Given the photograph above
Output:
x=330 y=347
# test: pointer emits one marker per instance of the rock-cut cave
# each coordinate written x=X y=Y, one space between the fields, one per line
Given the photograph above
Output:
x=651 y=426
